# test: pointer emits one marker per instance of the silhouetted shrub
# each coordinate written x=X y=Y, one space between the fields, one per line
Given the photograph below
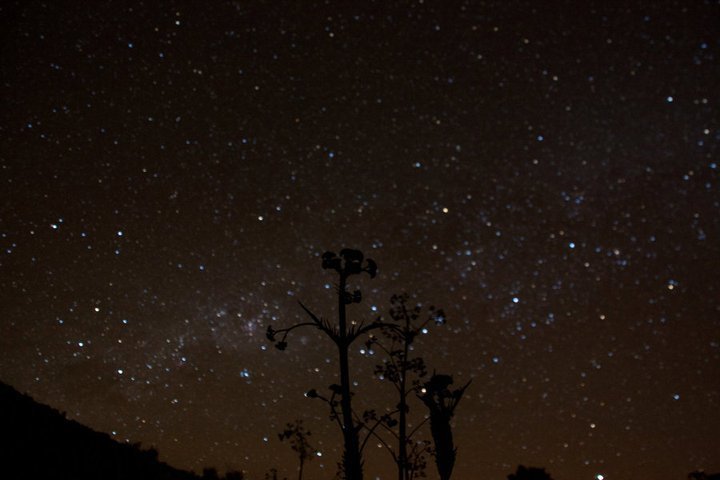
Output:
x=529 y=473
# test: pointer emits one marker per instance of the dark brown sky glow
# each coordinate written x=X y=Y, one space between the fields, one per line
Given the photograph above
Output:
x=171 y=173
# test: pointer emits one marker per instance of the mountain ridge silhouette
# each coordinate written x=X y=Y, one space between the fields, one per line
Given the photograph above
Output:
x=38 y=441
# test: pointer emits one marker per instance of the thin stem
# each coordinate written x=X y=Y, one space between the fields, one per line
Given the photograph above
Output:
x=418 y=427
x=380 y=439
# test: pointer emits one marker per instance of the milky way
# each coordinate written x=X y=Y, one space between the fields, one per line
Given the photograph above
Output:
x=172 y=171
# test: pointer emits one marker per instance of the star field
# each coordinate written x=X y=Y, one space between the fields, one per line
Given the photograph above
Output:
x=172 y=171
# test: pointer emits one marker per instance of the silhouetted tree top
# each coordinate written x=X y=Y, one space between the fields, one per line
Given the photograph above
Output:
x=234 y=475
x=701 y=475
x=529 y=473
x=210 y=473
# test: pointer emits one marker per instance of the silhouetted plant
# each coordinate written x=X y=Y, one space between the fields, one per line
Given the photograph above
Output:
x=529 y=473
x=701 y=475
x=401 y=332
x=273 y=475
x=298 y=437
x=350 y=262
x=405 y=373
x=210 y=474
x=441 y=402
x=234 y=475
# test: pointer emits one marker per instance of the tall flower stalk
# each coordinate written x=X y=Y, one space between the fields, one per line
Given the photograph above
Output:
x=349 y=262
x=405 y=372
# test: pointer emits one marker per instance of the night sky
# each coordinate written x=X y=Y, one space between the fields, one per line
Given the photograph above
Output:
x=547 y=173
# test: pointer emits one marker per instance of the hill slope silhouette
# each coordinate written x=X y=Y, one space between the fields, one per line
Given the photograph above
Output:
x=37 y=441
